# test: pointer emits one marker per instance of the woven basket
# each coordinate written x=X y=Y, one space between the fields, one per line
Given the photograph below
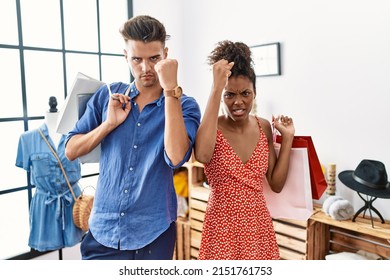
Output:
x=81 y=211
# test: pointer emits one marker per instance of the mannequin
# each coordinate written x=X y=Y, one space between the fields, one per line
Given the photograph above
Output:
x=51 y=118
x=51 y=221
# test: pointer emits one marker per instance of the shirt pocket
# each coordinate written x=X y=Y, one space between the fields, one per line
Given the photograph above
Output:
x=73 y=171
x=40 y=165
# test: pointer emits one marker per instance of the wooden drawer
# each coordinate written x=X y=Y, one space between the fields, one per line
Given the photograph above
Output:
x=197 y=204
x=291 y=236
x=183 y=240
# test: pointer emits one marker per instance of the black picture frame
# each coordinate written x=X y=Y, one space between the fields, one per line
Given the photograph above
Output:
x=266 y=59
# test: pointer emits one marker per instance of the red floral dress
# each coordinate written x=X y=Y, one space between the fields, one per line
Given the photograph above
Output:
x=237 y=224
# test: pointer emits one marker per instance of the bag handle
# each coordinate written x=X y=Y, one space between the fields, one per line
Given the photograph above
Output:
x=59 y=161
x=275 y=132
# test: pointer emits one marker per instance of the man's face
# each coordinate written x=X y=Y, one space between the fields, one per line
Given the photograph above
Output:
x=141 y=58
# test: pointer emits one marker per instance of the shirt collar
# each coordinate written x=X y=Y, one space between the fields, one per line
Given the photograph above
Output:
x=44 y=129
x=134 y=92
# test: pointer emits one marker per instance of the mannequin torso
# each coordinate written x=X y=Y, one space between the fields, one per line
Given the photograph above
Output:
x=51 y=122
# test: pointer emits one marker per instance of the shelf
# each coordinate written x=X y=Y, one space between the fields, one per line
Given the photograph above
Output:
x=361 y=225
x=332 y=236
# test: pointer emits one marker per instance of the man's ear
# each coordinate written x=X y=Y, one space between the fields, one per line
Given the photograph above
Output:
x=165 y=52
x=125 y=53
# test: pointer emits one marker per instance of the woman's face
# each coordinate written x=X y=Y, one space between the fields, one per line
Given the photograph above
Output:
x=238 y=98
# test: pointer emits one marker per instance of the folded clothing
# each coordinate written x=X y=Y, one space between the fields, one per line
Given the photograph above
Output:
x=359 y=255
x=329 y=201
x=338 y=208
x=341 y=210
x=345 y=256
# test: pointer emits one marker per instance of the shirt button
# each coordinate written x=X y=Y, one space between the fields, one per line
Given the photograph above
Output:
x=138 y=124
x=135 y=146
x=126 y=191
x=131 y=168
x=122 y=214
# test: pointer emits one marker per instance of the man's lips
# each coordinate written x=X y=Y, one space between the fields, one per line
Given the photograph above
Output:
x=147 y=76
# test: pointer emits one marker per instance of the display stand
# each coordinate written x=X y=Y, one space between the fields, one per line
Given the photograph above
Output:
x=368 y=205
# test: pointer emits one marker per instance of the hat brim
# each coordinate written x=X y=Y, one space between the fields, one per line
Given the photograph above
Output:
x=347 y=179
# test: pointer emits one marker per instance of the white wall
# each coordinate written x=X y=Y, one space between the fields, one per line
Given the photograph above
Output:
x=335 y=68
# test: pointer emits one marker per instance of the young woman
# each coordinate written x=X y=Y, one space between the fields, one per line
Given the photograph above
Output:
x=237 y=151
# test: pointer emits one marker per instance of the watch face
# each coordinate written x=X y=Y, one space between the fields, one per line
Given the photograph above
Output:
x=178 y=92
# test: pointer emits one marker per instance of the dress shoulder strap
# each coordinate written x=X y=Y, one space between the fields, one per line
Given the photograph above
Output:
x=258 y=122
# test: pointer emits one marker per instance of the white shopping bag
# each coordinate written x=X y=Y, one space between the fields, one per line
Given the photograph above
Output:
x=295 y=200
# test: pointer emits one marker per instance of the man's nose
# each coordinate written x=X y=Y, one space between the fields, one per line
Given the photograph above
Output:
x=145 y=66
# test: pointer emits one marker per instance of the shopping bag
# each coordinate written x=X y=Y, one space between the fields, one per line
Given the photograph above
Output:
x=83 y=85
x=317 y=177
x=295 y=200
x=75 y=103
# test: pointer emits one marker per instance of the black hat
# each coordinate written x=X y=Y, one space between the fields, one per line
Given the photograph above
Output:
x=369 y=178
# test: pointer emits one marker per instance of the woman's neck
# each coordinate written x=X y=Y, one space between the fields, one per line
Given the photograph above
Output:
x=236 y=126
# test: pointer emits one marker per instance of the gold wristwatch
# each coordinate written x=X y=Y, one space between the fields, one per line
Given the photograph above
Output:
x=177 y=92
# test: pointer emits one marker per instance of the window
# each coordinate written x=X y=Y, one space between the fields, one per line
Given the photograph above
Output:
x=44 y=45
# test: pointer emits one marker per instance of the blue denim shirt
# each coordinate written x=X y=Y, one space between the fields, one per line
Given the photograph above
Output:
x=135 y=200
x=51 y=221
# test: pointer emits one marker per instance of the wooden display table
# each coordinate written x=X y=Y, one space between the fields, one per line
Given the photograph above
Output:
x=325 y=235
x=298 y=240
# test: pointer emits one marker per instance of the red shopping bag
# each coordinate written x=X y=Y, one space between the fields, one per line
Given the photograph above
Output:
x=317 y=177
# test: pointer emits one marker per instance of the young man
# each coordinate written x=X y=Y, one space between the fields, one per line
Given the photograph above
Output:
x=144 y=136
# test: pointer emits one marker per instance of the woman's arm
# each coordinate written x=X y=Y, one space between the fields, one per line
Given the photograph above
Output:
x=207 y=132
x=278 y=165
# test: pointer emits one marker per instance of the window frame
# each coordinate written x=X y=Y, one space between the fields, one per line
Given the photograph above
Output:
x=27 y=118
